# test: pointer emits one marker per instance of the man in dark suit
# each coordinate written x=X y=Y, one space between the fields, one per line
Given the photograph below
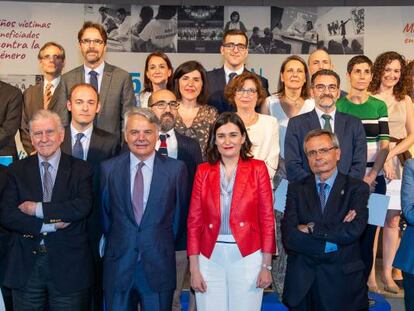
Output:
x=10 y=117
x=234 y=50
x=46 y=202
x=325 y=216
x=87 y=142
x=143 y=196
x=349 y=130
x=44 y=95
x=113 y=84
x=165 y=106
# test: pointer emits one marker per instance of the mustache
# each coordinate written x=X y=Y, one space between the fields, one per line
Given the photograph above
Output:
x=167 y=114
x=326 y=96
x=91 y=50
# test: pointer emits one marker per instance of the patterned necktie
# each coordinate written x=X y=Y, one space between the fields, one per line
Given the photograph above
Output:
x=47 y=182
x=327 y=125
x=138 y=194
x=94 y=79
x=77 y=150
x=322 y=195
x=231 y=76
x=163 y=150
x=48 y=95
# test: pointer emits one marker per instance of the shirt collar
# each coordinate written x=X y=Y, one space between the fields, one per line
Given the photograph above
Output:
x=53 y=160
x=87 y=132
x=149 y=162
x=319 y=112
x=330 y=181
x=99 y=69
x=170 y=133
x=238 y=72
x=55 y=82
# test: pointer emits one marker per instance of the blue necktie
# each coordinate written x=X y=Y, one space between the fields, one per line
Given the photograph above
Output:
x=322 y=195
x=77 y=150
x=94 y=80
x=231 y=76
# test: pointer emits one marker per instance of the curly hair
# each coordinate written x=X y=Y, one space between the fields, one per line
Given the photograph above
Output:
x=409 y=75
x=378 y=69
x=237 y=83
x=305 y=87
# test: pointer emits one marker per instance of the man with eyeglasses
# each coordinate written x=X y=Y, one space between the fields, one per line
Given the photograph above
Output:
x=234 y=50
x=44 y=95
x=47 y=200
x=349 y=130
x=325 y=216
x=113 y=84
x=165 y=106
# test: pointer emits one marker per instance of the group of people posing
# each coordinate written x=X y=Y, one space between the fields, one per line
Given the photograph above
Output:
x=122 y=195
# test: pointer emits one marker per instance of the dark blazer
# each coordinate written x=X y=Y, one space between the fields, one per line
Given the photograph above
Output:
x=69 y=254
x=10 y=118
x=4 y=234
x=33 y=102
x=116 y=95
x=338 y=275
x=352 y=141
x=103 y=146
x=152 y=242
x=217 y=82
x=190 y=153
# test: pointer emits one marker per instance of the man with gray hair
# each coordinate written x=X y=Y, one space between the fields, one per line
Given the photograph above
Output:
x=143 y=195
x=45 y=206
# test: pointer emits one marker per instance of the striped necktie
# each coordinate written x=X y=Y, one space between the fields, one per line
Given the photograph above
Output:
x=163 y=150
x=322 y=195
x=48 y=95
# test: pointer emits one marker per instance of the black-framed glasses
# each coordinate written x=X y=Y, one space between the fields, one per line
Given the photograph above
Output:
x=322 y=87
x=248 y=92
x=321 y=151
x=92 y=41
x=230 y=46
x=162 y=104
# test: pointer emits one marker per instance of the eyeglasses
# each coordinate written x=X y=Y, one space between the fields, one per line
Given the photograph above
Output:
x=321 y=151
x=230 y=46
x=91 y=41
x=322 y=87
x=248 y=92
x=52 y=57
x=162 y=104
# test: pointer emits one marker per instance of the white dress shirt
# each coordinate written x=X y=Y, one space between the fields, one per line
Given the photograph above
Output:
x=55 y=82
x=85 y=140
x=322 y=121
x=147 y=171
x=227 y=71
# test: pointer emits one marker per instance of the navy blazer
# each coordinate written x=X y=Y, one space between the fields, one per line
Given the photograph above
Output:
x=338 y=275
x=352 y=141
x=217 y=82
x=152 y=242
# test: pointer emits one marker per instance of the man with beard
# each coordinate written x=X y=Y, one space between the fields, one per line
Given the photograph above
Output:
x=165 y=106
x=349 y=130
x=113 y=84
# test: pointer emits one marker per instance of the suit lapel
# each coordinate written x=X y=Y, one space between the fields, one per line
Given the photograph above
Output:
x=333 y=206
x=221 y=79
x=180 y=146
x=122 y=183
x=214 y=182
x=38 y=97
x=67 y=141
x=106 y=82
x=240 y=183
x=313 y=120
x=312 y=198
x=55 y=96
x=35 y=180
x=62 y=177
x=94 y=146
x=340 y=125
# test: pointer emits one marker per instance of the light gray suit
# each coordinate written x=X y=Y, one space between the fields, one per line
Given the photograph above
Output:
x=116 y=95
x=33 y=102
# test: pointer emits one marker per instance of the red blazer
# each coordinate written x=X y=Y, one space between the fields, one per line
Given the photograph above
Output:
x=251 y=211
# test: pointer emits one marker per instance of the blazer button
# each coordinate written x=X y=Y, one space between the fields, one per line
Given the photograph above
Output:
x=44 y=233
x=210 y=226
x=242 y=224
x=34 y=252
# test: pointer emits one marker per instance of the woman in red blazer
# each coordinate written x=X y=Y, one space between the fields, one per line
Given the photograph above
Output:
x=231 y=233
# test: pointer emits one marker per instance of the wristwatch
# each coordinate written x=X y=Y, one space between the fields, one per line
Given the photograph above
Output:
x=310 y=225
x=267 y=267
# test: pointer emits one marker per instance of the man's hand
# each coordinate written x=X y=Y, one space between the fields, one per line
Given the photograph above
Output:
x=61 y=225
x=350 y=216
x=28 y=207
x=303 y=228
x=370 y=180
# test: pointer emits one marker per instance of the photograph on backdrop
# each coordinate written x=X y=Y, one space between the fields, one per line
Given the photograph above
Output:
x=116 y=19
x=254 y=21
x=22 y=81
x=200 y=29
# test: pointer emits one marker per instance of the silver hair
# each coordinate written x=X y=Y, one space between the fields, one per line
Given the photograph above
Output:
x=45 y=114
x=321 y=132
x=143 y=112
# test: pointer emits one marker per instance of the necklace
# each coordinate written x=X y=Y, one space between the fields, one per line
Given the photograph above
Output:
x=296 y=102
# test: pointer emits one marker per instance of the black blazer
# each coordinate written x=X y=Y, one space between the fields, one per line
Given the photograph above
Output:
x=103 y=146
x=217 y=82
x=339 y=275
x=69 y=254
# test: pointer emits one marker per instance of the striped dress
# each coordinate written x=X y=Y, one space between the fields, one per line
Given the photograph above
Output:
x=374 y=116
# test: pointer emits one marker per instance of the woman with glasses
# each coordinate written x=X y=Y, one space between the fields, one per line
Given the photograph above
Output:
x=158 y=76
x=231 y=235
x=388 y=84
x=194 y=117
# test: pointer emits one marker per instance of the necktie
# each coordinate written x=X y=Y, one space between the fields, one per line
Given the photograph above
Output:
x=322 y=195
x=327 y=125
x=77 y=150
x=138 y=194
x=163 y=145
x=231 y=76
x=94 y=79
x=48 y=95
x=47 y=182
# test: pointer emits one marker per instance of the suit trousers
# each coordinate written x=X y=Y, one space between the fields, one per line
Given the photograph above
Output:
x=408 y=283
x=230 y=278
x=7 y=298
x=141 y=294
x=41 y=294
